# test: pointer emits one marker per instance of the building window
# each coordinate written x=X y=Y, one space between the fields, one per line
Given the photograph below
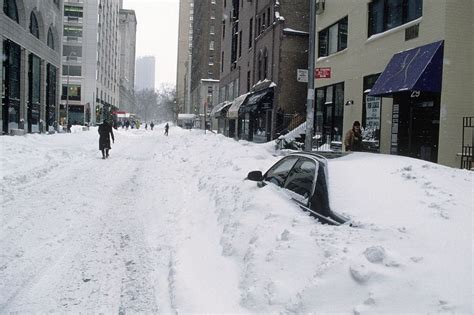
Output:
x=333 y=38
x=73 y=11
x=371 y=113
x=74 y=71
x=73 y=94
x=72 y=31
x=223 y=29
x=240 y=44
x=268 y=16
x=50 y=112
x=72 y=51
x=222 y=62
x=329 y=113
x=259 y=65
x=50 y=39
x=387 y=14
x=248 y=80
x=250 y=32
x=10 y=9
x=34 y=29
x=211 y=45
x=265 y=64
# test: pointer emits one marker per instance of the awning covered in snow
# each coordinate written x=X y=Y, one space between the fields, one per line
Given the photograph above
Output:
x=220 y=108
x=233 y=112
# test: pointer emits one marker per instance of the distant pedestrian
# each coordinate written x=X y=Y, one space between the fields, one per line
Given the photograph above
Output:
x=353 y=139
x=69 y=125
x=152 y=125
x=146 y=126
x=167 y=127
x=127 y=124
x=105 y=131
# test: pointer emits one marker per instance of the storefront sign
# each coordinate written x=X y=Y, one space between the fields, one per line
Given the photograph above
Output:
x=302 y=75
x=372 y=118
x=322 y=73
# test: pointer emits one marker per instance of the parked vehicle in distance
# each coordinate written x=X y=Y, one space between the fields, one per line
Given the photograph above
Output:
x=304 y=177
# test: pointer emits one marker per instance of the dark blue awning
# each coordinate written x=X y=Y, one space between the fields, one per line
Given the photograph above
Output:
x=417 y=69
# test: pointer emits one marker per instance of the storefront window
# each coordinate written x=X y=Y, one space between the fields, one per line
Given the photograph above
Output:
x=35 y=93
x=11 y=86
x=330 y=114
x=51 y=96
x=74 y=92
x=371 y=113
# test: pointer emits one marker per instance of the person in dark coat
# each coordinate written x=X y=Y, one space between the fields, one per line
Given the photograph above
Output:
x=105 y=131
x=353 y=139
x=152 y=125
x=167 y=127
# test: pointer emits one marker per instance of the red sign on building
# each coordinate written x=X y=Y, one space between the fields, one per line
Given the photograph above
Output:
x=322 y=73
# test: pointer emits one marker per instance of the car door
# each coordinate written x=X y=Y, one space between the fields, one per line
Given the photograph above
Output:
x=278 y=173
x=301 y=180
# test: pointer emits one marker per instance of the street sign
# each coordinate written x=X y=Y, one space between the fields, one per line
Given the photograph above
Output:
x=322 y=73
x=302 y=75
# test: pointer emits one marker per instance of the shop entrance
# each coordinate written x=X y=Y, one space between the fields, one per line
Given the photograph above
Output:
x=418 y=128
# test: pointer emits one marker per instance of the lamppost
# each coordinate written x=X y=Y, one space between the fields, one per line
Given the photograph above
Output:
x=308 y=145
x=72 y=53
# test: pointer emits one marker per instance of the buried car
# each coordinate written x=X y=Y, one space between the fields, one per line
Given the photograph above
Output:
x=304 y=177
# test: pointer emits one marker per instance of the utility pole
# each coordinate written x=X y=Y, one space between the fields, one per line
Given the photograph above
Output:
x=308 y=145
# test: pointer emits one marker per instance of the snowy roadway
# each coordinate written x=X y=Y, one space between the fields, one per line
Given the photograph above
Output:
x=167 y=225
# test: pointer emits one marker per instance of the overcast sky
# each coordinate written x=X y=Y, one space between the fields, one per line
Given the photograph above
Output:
x=157 y=35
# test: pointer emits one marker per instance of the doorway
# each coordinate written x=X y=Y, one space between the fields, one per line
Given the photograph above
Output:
x=418 y=131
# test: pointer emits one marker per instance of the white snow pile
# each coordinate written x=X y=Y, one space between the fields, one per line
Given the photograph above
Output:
x=169 y=225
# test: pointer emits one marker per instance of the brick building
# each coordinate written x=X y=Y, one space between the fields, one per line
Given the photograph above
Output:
x=264 y=43
x=205 y=62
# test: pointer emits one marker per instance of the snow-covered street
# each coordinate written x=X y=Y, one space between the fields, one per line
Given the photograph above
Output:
x=168 y=225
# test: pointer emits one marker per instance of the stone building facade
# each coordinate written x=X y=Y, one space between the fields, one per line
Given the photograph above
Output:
x=31 y=46
x=91 y=60
x=128 y=37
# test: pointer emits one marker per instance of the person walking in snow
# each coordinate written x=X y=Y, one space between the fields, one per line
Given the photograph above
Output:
x=152 y=125
x=167 y=127
x=105 y=131
x=353 y=138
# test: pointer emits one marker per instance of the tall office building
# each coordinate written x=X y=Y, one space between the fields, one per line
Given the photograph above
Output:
x=205 y=63
x=30 y=46
x=90 y=72
x=185 y=38
x=145 y=73
x=128 y=34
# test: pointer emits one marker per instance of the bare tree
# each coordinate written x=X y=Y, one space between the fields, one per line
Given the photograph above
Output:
x=147 y=101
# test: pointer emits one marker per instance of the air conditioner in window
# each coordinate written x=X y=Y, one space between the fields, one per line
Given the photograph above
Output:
x=320 y=6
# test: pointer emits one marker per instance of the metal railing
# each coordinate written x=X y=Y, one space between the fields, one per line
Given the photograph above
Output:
x=467 y=142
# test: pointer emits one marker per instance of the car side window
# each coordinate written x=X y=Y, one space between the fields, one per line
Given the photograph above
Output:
x=278 y=173
x=301 y=178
